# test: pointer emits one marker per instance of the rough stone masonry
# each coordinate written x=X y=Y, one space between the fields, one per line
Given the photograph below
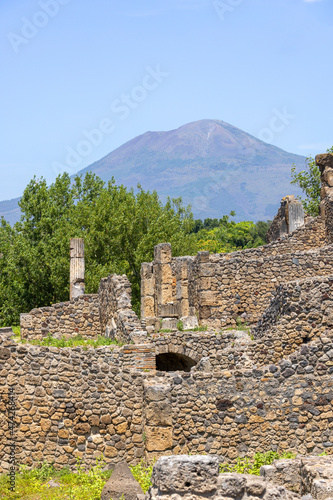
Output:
x=198 y=477
x=217 y=391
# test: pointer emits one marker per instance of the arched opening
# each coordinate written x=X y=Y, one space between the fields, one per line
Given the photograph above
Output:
x=172 y=362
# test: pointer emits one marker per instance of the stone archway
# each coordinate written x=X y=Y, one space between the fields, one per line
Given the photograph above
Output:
x=173 y=361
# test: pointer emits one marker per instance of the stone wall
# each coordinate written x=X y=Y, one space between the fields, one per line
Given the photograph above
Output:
x=224 y=290
x=242 y=412
x=325 y=164
x=301 y=311
x=80 y=316
x=107 y=313
x=118 y=320
x=225 y=350
x=72 y=402
x=220 y=287
x=69 y=403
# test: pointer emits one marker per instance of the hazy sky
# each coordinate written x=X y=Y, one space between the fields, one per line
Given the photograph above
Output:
x=79 y=78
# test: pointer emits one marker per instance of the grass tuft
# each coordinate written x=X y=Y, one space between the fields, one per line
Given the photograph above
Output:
x=75 y=341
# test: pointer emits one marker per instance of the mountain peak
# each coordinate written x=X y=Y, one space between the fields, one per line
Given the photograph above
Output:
x=213 y=165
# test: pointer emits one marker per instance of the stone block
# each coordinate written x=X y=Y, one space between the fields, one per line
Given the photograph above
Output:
x=158 y=438
x=159 y=413
x=202 y=257
x=169 y=310
x=210 y=298
x=324 y=161
x=147 y=306
x=183 y=474
x=169 y=324
x=163 y=294
x=295 y=216
x=189 y=322
x=162 y=253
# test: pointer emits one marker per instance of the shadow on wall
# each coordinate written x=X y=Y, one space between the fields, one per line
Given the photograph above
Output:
x=172 y=362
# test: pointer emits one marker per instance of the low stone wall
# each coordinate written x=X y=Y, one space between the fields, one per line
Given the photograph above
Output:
x=118 y=320
x=198 y=477
x=311 y=475
x=80 y=316
x=311 y=236
x=108 y=313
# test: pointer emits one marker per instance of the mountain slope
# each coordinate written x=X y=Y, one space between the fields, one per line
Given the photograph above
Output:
x=10 y=210
x=213 y=165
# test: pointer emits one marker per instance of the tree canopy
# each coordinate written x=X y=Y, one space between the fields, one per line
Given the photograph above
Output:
x=309 y=181
x=120 y=229
x=225 y=235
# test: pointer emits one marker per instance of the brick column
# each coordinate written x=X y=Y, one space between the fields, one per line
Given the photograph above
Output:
x=76 y=280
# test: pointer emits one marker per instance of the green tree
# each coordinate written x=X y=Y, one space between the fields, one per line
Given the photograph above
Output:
x=230 y=236
x=309 y=181
x=120 y=228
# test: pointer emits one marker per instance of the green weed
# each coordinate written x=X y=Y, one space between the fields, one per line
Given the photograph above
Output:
x=252 y=465
x=142 y=473
x=78 y=485
x=180 y=326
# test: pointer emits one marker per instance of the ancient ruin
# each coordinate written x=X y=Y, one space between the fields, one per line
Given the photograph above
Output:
x=187 y=379
x=198 y=477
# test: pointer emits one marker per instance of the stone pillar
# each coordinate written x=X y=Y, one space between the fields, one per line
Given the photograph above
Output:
x=158 y=429
x=182 y=288
x=163 y=278
x=289 y=217
x=294 y=215
x=325 y=164
x=187 y=314
x=76 y=280
x=147 y=290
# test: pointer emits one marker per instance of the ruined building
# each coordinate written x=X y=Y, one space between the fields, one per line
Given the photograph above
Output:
x=186 y=379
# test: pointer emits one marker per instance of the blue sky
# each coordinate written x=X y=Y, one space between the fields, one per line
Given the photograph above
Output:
x=100 y=73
